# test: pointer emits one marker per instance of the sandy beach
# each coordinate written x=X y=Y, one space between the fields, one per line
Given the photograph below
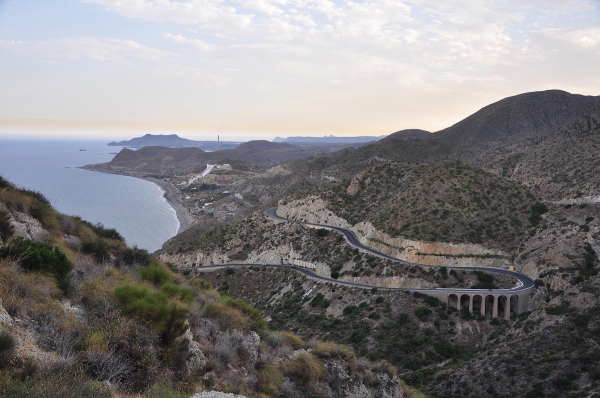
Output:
x=170 y=194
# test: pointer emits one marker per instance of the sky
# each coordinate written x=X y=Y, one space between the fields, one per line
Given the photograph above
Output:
x=249 y=69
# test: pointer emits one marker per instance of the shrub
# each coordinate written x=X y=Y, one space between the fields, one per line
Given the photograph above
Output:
x=329 y=350
x=536 y=213
x=7 y=347
x=349 y=310
x=374 y=316
x=98 y=248
x=258 y=323
x=27 y=295
x=423 y=313
x=322 y=232
x=177 y=292
x=155 y=273
x=39 y=257
x=304 y=367
x=320 y=301
x=55 y=382
x=106 y=364
x=539 y=283
x=108 y=233
x=167 y=317
x=270 y=379
x=135 y=256
x=6 y=228
x=229 y=318
x=485 y=281
x=282 y=338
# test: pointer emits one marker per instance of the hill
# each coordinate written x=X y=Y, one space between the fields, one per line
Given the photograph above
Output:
x=82 y=315
x=173 y=141
x=445 y=201
x=560 y=164
x=168 y=162
x=409 y=133
x=328 y=140
x=530 y=113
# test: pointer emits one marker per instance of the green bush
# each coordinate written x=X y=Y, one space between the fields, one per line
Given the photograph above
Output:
x=485 y=281
x=423 y=313
x=536 y=213
x=39 y=257
x=154 y=307
x=98 y=248
x=135 y=256
x=108 y=233
x=539 y=283
x=320 y=301
x=322 y=232
x=349 y=310
x=155 y=273
x=180 y=293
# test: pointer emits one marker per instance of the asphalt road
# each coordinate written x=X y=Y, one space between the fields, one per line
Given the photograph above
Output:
x=526 y=282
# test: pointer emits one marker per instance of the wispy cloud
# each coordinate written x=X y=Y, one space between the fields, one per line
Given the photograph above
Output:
x=78 y=48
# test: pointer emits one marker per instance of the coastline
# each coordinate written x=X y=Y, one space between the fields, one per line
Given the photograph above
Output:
x=183 y=215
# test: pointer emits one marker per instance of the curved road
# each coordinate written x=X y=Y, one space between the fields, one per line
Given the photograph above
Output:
x=526 y=282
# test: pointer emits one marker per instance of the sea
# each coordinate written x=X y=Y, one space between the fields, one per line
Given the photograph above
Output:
x=134 y=207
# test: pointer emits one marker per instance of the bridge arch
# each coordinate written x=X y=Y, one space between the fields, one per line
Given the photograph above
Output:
x=453 y=301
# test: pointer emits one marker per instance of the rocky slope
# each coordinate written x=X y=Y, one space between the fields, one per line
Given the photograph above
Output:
x=398 y=205
x=83 y=315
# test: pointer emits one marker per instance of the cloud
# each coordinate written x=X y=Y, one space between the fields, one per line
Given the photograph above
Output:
x=110 y=50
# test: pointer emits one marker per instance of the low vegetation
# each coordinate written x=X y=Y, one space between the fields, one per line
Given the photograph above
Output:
x=446 y=201
x=100 y=319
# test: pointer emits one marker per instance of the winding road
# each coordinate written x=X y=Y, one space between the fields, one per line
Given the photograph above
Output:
x=526 y=283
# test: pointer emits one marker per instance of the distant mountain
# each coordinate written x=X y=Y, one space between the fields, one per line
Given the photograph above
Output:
x=173 y=141
x=408 y=133
x=530 y=113
x=164 y=161
x=328 y=140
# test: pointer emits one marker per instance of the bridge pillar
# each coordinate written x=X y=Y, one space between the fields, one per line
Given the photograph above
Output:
x=470 y=304
x=482 y=305
x=458 y=302
x=507 y=308
x=495 y=307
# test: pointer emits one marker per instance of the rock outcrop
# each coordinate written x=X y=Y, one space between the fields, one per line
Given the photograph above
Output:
x=314 y=210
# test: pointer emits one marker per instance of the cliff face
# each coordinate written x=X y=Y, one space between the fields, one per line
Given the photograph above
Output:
x=314 y=209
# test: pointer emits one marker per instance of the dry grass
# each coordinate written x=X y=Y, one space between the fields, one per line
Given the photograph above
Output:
x=278 y=339
x=270 y=379
x=99 y=292
x=27 y=294
x=329 y=350
x=229 y=318
x=305 y=367
x=411 y=392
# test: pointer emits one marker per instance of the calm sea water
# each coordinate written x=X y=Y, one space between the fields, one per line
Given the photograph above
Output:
x=136 y=208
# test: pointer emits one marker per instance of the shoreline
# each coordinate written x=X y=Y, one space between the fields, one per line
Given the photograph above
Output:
x=184 y=217
x=182 y=214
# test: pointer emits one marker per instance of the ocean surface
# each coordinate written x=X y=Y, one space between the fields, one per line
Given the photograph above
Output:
x=134 y=207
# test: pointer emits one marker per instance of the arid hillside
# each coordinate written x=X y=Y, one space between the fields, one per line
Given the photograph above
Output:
x=83 y=315
x=445 y=201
